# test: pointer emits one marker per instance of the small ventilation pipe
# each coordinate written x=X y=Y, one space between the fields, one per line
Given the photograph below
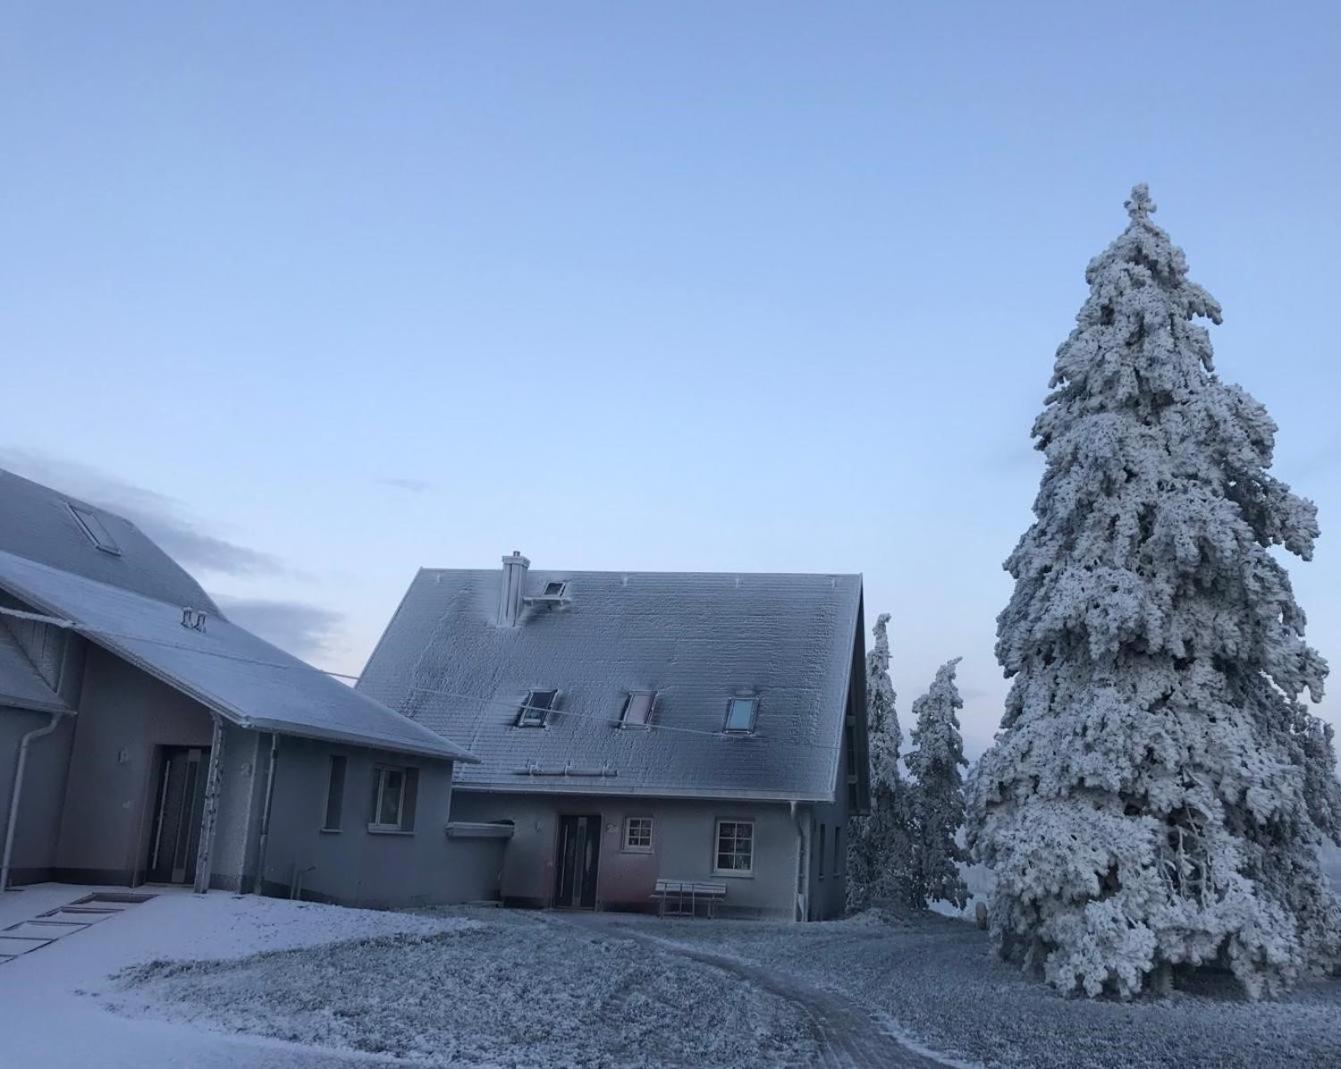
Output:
x=512 y=589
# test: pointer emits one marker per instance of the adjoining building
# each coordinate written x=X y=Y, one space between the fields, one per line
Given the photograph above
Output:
x=145 y=738
x=632 y=728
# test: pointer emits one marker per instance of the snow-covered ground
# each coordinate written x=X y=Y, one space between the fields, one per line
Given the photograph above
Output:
x=936 y=981
x=226 y=982
x=516 y=990
x=53 y=1012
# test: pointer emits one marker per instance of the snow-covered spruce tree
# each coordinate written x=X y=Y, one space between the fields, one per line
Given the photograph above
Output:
x=936 y=791
x=1157 y=788
x=879 y=855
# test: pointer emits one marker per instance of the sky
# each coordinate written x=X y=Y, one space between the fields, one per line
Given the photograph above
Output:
x=321 y=293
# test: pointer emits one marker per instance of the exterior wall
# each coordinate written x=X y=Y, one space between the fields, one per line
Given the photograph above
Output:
x=356 y=866
x=246 y=757
x=38 y=826
x=683 y=847
x=827 y=897
x=124 y=715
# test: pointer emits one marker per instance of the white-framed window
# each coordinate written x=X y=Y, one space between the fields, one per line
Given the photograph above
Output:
x=335 y=794
x=740 y=714
x=638 y=835
x=394 y=794
x=93 y=527
x=733 y=848
x=638 y=708
x=535 y=707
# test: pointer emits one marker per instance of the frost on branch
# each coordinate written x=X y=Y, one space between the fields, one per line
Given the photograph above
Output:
x=879 y=849
x=938 y=793
x=1156 y=792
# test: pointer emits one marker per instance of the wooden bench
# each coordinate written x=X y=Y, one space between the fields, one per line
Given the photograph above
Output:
x=680 y=898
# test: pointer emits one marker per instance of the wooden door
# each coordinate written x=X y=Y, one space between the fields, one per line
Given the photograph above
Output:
x=179 y=804
x=579 y=855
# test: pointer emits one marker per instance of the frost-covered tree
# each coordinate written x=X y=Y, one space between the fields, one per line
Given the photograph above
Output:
x=879 y=850
x=937 y=791
x=1156 y=792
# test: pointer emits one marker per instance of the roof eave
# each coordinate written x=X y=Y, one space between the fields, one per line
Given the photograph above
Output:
x=627 y=790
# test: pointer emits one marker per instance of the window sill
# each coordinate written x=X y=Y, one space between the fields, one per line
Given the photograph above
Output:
x=330 y=831
x=734 y=874
x=387 y=829
x=644 y=850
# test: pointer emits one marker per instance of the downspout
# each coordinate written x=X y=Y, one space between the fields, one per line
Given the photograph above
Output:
x=264 y=839
x=802 y=821
x=17 y=792
x=209 y=821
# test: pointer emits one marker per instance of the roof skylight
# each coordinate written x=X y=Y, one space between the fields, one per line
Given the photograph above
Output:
x=91 y=524
x=638 y=708
x=740 y=714
x=536 y=707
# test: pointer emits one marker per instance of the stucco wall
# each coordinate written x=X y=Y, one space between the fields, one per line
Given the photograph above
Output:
x=35 y=834
x=682 y=848
x=124 y=715
x=354 y=865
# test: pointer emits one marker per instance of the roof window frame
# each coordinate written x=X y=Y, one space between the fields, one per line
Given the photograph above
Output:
x=646 y=721
x=748 y=729
x=94 y=529
x=531 y=713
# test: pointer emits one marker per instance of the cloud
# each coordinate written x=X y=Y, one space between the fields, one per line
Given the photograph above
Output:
x=305 y=630
x=410 y=486
x=162 y=518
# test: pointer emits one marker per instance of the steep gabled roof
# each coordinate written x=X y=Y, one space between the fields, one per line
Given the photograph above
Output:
x=130 y=602
x=41 y=524
x=696 y=639
x=225 y=668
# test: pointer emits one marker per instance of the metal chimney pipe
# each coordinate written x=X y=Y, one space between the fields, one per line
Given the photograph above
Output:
x=512 y=590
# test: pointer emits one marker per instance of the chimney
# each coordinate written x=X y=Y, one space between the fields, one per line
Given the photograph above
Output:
x=513 y=588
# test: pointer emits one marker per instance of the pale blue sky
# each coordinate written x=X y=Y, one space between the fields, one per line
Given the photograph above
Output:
x=358 y=287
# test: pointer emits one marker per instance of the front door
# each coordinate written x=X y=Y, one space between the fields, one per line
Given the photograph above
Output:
x=175 y=836
x=579 y=855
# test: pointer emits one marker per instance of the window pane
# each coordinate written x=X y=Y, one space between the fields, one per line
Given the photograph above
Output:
x=393 y=781
x=638 y=708
x=534 y=707
x=740 y=714
x=335 y=794
x=735 y=846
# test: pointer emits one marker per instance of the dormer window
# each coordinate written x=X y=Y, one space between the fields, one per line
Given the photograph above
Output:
x=92 y=526
x=638 y=708
x=536 y=707
x=740 y=714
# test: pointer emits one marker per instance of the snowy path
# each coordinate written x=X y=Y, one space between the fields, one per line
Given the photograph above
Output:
x=852 y=1038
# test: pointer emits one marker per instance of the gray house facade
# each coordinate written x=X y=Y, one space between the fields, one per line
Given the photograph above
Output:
x=145 y=738
x=641 y=727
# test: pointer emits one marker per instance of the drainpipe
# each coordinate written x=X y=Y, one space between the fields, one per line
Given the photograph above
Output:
x=16 y=793
x=209 y=821
x=801 y=818
x=265 y=814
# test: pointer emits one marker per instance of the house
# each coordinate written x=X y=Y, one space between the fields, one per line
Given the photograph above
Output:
x=145 y=738
x=635 y=727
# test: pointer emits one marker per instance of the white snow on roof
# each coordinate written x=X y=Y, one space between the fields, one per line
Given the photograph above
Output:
x=38 y=523
x=696 y=639
x=224 y=667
